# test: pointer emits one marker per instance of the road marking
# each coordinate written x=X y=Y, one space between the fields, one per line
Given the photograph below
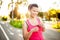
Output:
x=2 y=22
x=11 y=28
x=4 y=33
x=6 y=25
x=10 y=32
x=18 y=30
x=21 y=35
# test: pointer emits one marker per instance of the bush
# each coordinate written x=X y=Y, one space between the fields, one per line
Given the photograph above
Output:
x=56 y=26
x=4 y=18
x=16 y=23
x=40 y=14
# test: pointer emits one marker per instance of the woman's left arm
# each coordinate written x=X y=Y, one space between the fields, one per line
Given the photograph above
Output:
x=42 y=24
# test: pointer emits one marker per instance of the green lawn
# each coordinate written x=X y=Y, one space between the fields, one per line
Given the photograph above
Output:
x=17 y=23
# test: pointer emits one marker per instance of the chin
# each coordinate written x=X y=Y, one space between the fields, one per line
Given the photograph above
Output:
x=34 y=16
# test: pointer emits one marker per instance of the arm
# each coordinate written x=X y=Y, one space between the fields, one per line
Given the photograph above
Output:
x=42 y=24
x=26 y=34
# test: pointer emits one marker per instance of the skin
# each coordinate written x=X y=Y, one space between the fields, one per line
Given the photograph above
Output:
x=33 y=14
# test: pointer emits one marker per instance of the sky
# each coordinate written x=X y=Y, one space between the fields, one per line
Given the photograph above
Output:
x=44 y=5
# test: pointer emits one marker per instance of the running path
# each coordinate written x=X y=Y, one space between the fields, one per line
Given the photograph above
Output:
x=11 y=32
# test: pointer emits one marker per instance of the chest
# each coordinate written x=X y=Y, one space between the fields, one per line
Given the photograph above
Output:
x=33 y=22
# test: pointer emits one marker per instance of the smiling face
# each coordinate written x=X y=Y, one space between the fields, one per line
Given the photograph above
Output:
x=34 y=11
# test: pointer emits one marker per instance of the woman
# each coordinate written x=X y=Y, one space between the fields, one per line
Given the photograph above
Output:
x=33 y=27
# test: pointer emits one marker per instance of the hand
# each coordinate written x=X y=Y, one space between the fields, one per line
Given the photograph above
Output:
x=34 y=29
x=43 y=29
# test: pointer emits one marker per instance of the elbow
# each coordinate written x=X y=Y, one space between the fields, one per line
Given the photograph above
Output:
x=25 y=35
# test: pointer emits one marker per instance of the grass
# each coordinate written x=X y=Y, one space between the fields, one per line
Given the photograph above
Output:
x=58 y=30
x=16 y=23
x=56 y=26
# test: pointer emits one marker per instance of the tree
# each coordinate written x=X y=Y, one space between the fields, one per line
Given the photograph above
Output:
x=40 y=14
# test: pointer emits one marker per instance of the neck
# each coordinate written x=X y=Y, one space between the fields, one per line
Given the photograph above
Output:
x=32 y=17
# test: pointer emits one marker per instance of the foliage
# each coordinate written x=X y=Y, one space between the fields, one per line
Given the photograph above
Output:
x=54 y=15
x=14 y=15
x=52 y=11
x=0 y=2
x=4 y=18
x=17 y=23
x=40 y=14
x=56 y=26
x=58 y=15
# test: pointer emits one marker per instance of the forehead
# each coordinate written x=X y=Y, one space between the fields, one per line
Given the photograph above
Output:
x=34 y=8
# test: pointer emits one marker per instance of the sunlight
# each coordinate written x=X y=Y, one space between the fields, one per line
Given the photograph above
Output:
x=4 y=8
x=44 y=5
x=22 y=9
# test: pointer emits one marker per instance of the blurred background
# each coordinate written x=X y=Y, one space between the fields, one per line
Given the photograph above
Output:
x=13 y=13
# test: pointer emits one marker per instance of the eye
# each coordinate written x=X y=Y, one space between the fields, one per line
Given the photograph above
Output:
x=35 y=11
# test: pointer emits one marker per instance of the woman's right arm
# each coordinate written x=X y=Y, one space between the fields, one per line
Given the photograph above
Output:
x=26 y=34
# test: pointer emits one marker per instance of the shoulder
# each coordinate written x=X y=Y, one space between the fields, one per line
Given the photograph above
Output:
x=25 y=22
x=39 y=18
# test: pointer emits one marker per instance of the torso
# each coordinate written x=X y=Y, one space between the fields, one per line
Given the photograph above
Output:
x=35 y=35
x=33 y=21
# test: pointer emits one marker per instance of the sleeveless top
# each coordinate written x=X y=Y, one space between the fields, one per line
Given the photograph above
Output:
x=35 y=35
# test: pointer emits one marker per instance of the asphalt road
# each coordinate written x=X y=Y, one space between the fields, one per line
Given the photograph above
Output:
x=11 y=32
x=2 y=36
x=16 y=34
x=51 y=35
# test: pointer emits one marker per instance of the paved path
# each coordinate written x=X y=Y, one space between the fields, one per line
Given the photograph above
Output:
x=11 y=32
x=2 y=36
x=51 y=35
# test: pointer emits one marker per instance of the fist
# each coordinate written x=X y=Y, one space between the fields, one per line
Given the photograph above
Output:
x=35 y=29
